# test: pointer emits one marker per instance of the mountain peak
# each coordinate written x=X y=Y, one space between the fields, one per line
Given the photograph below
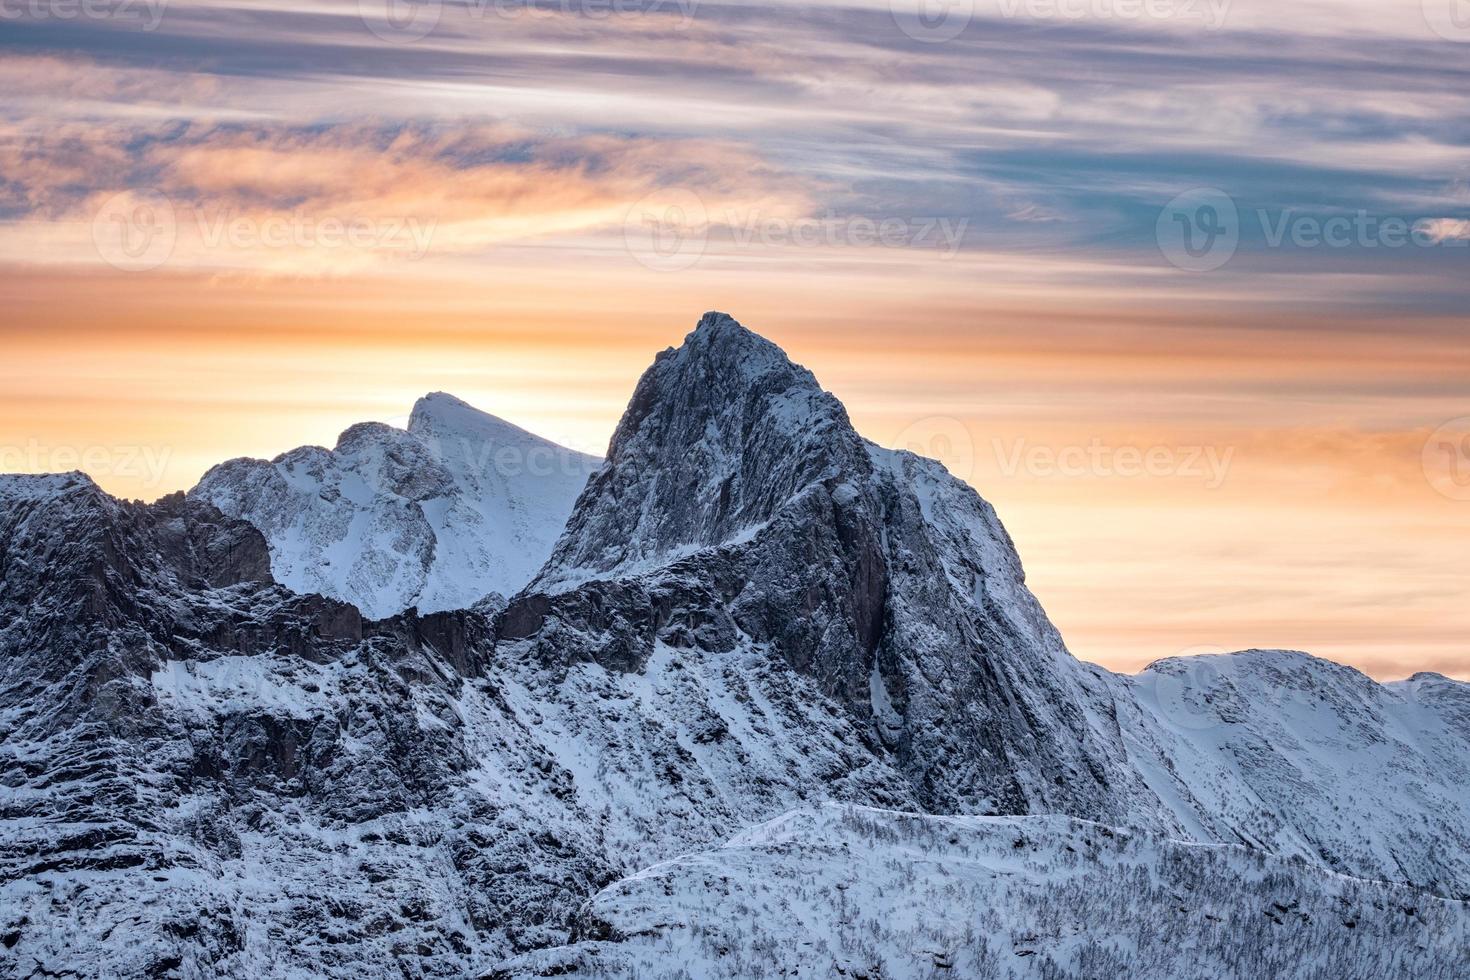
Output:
x=717 y=326
x=720 y=434
x=722 y=342
x=365 y=435
x=714 y=320
x=439 y=409
x=441 y=401
x=459 y=505
x=17 y=486
x=439 y=414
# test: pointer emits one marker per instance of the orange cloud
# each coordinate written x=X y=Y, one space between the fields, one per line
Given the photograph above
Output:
x=281 y=200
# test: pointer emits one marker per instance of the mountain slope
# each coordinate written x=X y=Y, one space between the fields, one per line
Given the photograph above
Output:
x=459 y=505
x=737 y=507
x=1301 y=756
x=839 y=890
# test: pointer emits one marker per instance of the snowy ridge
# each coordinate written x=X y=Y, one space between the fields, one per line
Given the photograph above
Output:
x=460 y=505
x=842 y=890
x=1302 y=756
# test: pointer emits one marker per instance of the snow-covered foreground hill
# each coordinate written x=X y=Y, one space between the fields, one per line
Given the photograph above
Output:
x=848 y=891
x=459 y=505
x=752 y=611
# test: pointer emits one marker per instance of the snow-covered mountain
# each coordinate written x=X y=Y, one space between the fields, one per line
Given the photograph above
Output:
x=738 y=503
x=752 y=613
x=460 y=505
x=1301 y=756
x=850 y=891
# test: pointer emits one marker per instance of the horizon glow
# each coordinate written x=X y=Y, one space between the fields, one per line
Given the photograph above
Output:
x=217 y=243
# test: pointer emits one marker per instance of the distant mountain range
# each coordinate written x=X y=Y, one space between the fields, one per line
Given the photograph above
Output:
x=752 y=696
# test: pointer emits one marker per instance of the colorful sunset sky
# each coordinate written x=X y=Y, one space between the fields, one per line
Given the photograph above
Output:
x=1181 y=286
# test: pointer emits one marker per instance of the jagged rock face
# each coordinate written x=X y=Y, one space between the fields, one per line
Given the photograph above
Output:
x=719 y=438
x=458 y=506
x=245 y=781
x=736 y=490
x=173 y=722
